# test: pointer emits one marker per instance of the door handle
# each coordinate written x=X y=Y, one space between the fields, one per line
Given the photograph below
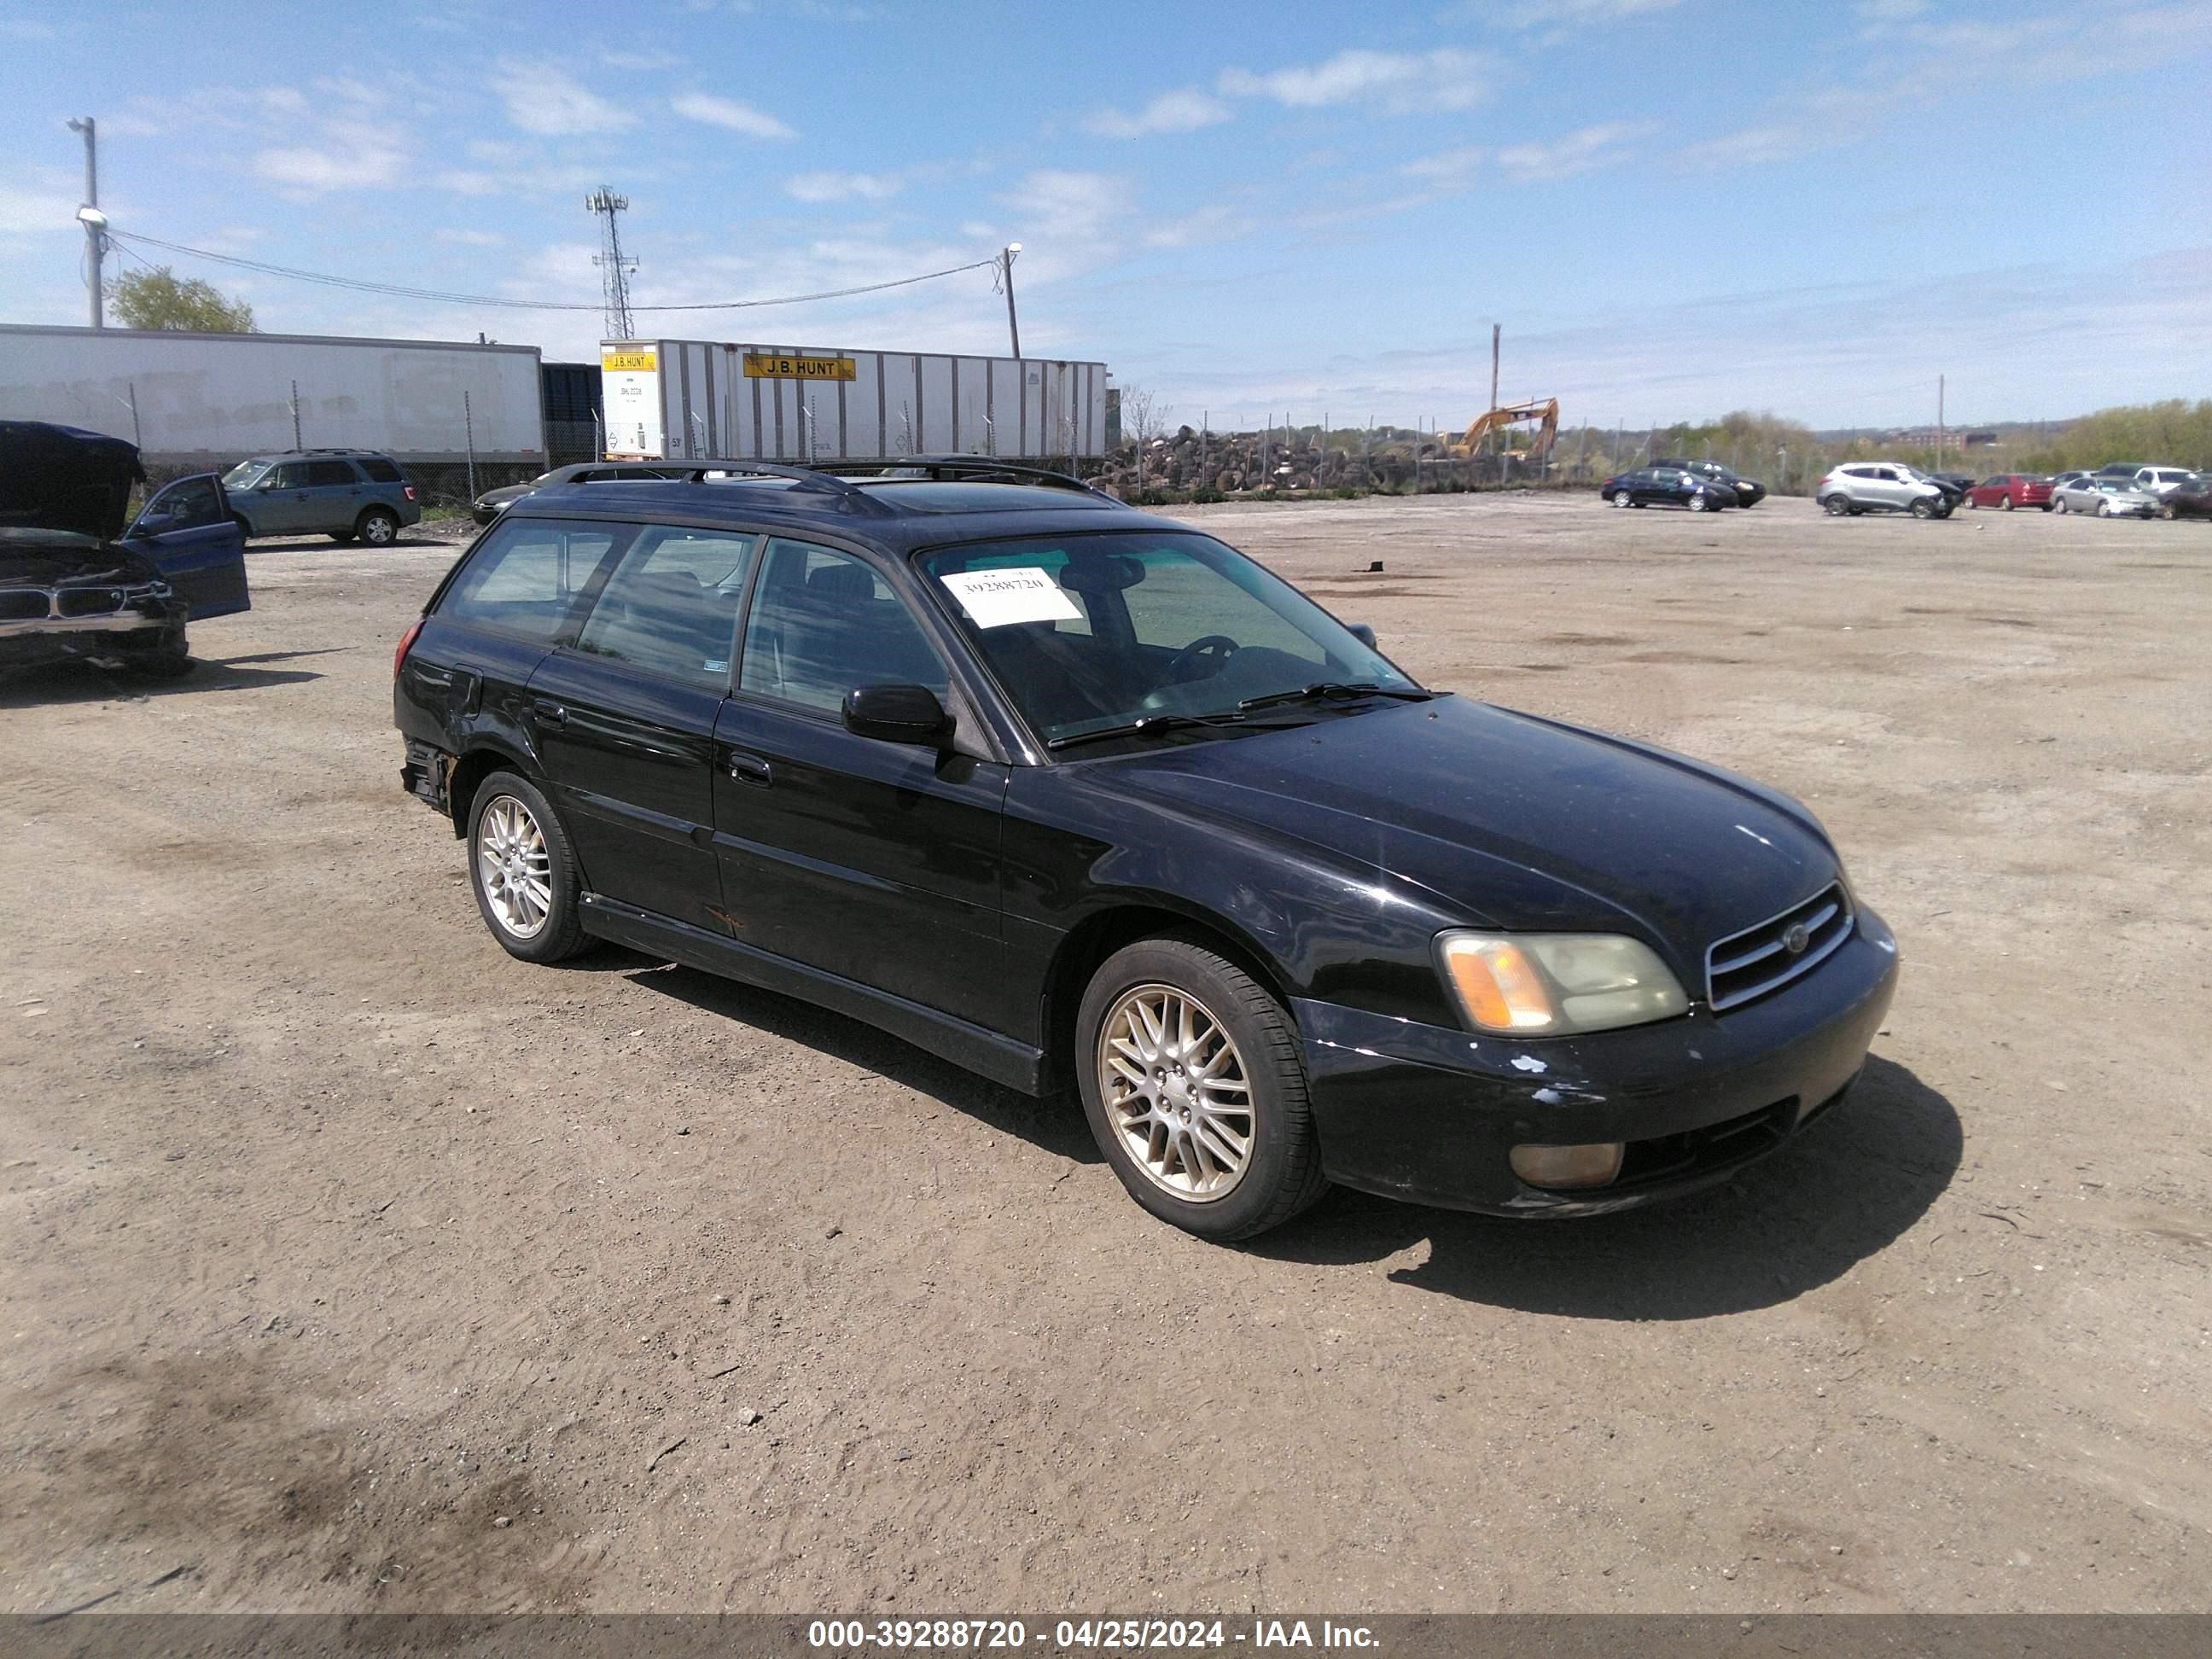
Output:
x=751 y=768
x=548 y=714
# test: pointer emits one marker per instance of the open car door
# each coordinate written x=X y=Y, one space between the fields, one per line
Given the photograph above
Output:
x=187 y=531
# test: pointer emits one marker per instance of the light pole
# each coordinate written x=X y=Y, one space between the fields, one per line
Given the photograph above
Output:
x=1006 y=255
x=94 y=221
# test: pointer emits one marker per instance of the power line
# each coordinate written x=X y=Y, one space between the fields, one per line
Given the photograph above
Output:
x=402 y=292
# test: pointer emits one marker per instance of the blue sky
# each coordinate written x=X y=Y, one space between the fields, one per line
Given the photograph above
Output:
x=1673 y=207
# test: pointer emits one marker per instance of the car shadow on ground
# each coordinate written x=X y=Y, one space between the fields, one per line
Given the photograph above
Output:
x=1053 y=1124
x=320 y=543
x=79 y=682
x=1845 y=1190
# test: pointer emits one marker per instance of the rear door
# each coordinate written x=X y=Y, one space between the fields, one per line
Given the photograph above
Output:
x=334 y=496
x=623 y=718
x=186 y=530
x=874 y=861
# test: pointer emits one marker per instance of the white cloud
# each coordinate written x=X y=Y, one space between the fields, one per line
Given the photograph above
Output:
x=1450 y=168
x=469 y=238
x=644 y=62
x=34 y=209
x=728 y=113
x=1216 y=222
x=1446 y=79
x=129 y=126
x=843 y=186
x=1185 y=110
x=543 y=99
x=305 y=170
x=1889 y=11
x=1583 y=151
x=1053 y=201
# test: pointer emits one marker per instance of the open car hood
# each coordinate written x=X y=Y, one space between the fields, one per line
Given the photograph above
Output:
x=47 y=558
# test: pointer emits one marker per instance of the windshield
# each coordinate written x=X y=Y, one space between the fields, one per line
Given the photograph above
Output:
x=242 y=476
x=1091 y=632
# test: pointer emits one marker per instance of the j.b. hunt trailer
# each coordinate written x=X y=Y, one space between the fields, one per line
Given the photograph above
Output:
x=697 y=399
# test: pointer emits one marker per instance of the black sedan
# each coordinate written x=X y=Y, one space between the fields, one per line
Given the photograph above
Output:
x=1075 y=796
x=2190 y=499
x=1749 y=492
x=1667 y=486
x=493 y=502
x=76 y=585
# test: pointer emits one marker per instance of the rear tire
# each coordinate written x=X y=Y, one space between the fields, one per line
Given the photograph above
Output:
x=522 y=869
x=1837 y=506
x=379 y=527
x=1623 y=499
x=1153 y=1097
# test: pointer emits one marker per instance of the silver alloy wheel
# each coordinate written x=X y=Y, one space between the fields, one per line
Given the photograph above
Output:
x=1698 y=501
x=378 y=530
x=1174 y=1090
x=1621 y=499
x=515 y=868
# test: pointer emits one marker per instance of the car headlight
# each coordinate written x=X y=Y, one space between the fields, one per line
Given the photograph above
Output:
x=1557 y=984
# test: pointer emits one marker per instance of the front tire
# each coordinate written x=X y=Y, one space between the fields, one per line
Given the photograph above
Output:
x=1923 y=508
x=2057 y=505
x=1698 y=503
x=2104 y=509
x=522 y=869
x=1191 y=1079
x=379 y=527
x=2006 y=503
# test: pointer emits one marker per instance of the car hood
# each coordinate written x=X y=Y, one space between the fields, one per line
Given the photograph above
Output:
x=1509 y=820
x=45 y=558
x=507 y=495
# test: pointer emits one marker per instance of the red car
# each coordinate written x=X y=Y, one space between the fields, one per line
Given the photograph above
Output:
x=2011 y=489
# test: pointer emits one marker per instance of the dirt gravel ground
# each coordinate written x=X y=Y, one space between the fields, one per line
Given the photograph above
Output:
x=352 y=1265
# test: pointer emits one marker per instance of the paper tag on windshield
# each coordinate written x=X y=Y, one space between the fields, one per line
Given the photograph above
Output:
x=997 y=598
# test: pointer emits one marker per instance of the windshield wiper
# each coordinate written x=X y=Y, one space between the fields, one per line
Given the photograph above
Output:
x=1332 y=691
x=1144 y=728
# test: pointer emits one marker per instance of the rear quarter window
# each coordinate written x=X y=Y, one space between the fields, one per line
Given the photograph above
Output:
x=381 y=471
x=324 y=475
x=528 y=576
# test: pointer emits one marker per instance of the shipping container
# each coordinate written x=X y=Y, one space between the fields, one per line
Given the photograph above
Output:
x=190 y=399
x=696 y=399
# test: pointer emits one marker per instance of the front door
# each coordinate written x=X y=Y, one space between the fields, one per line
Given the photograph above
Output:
x=278 y=504
x=624 y=721
x=875 y=861
x=186 y=530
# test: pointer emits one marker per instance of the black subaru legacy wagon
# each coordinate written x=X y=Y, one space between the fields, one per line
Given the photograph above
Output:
x=1067 y=792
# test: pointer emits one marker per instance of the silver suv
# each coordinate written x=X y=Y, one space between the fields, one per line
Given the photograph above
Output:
x=1881 y=487
x=343 y=494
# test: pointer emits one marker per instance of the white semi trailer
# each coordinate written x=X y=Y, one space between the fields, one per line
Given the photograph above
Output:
x=212 y=399
x=697 y=399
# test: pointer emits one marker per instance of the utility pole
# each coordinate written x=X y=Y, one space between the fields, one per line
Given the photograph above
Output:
x=1006 y=255
x=1495 y=330
x=615 y=266
x=1939 y=420
x=95 y=222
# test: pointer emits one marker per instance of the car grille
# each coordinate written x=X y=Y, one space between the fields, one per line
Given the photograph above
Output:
x=25 y=604
x=87 y=601
x=1750 y=965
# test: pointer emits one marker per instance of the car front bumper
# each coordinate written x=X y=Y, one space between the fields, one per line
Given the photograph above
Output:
x=1431 y=1114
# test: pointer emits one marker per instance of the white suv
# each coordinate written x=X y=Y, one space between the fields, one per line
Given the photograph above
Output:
x=1881 y=487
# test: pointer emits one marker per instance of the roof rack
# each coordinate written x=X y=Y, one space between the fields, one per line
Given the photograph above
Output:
x=944 y=468
x=813 y=480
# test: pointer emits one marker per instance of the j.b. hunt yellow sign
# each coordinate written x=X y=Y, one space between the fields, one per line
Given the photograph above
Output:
x=635 y=362
x=759 y=366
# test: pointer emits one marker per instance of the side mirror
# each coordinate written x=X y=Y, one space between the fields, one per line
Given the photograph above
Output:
x=268 y=482
x=1362 y=632
x=896 y=714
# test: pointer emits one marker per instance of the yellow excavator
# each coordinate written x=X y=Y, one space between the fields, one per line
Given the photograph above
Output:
x=1545 y=410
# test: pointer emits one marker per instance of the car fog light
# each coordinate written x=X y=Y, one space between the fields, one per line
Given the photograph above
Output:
x=1592 y=1165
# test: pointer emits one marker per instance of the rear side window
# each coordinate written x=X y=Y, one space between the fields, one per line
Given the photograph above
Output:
x=823 y=623
x=322 y=475
x=671 y=605
x=527 y=575
x=381 y=471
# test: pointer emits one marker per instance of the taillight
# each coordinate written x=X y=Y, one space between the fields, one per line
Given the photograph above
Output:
x=406 y=640
x=410 y=491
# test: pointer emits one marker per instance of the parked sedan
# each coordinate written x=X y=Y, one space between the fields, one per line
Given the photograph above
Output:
x=2108 y=498
x=1749 y=492
x=1667 y=486
x=2193 y=499
x=490 y=505
x=2008 y=490
x=1075 y=796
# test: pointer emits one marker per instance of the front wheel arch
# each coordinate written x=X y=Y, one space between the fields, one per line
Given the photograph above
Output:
x=1086 y=947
